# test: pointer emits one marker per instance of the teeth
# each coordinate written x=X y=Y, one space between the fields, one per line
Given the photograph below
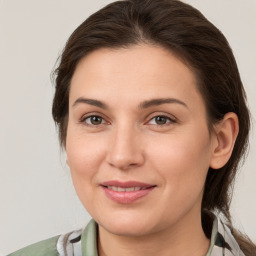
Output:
x=130 y=189
x=119 y=189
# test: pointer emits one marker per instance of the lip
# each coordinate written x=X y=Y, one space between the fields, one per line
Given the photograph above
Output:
x=126 y=197
x=126 y=184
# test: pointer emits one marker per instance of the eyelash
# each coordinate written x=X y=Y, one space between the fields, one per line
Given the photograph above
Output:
x=83 y=120
x=168 y=119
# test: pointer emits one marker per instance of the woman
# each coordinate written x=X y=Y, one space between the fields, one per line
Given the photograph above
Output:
x=152 y=114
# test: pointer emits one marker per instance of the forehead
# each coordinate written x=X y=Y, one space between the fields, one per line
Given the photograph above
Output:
x=133 y=73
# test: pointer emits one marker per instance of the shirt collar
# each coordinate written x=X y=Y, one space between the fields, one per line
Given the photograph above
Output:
x=222 y=241
x=89 y=239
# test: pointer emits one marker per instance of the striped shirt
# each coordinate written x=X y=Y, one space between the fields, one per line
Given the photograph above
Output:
x=84 y=243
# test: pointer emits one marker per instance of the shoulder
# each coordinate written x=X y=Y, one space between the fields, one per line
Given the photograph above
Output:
x=43 y=248
x=78 y=242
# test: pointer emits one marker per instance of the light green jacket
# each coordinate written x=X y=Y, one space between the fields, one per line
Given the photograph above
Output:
x=84 y=243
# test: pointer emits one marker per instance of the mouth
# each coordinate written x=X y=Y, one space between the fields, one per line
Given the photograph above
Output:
x=126 y=192
x=120 y=189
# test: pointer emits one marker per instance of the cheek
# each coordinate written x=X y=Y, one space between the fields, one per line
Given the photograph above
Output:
x=182 y=159
x=85 y=154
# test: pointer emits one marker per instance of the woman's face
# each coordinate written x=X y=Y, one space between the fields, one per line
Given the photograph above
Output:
x=138 y=144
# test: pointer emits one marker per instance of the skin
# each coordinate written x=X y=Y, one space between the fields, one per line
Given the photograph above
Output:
x=128 y=143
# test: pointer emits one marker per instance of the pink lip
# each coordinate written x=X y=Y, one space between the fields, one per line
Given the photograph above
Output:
x=126 y=197
x=126 y=184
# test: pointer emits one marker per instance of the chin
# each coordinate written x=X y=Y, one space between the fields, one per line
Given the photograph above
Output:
x=126 y=229
x=127 y=225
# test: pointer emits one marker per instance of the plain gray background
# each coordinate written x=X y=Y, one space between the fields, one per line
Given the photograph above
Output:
x=37 y=199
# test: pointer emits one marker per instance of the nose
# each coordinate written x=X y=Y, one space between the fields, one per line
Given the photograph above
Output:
x=126 y=149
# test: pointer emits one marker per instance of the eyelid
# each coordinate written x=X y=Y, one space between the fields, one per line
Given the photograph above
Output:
x=168 y=116
x=172 y=118
x=91 y=114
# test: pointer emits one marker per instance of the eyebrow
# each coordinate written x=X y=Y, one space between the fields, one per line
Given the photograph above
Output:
x=156 y=102
x=143 y=105
x=92 y=102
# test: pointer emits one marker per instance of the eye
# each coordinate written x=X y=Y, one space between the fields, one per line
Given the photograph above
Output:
x=161 y=120
x=93 y=120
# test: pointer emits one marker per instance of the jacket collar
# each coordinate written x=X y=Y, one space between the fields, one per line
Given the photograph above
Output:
x=223 y=242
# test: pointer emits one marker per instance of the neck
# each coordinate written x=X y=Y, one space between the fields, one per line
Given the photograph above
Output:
x=183 y=238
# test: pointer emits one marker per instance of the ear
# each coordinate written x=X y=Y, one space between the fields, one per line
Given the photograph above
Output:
x=225 y=135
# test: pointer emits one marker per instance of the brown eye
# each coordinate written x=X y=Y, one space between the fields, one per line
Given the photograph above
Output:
x=160 y=120
x=94 y=120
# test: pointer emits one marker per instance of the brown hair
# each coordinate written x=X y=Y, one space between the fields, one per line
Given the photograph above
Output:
x=183 y=30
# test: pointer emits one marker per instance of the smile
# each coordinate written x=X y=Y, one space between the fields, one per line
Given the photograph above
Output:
x=120 y=189
x=126 y=192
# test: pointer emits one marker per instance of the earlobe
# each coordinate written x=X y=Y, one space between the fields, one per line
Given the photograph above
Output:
x=226 y=132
